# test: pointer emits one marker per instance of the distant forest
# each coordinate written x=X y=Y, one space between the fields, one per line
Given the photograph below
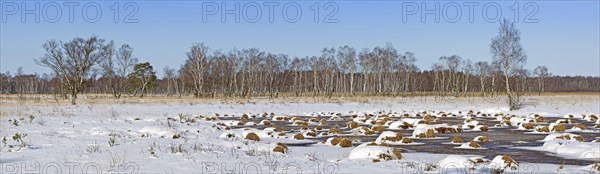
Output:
x=342 y=71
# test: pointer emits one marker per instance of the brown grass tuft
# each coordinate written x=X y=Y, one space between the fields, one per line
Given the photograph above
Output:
x=345 y=143
x=580 y=126
x=456 y=140
x=397 y=153
x=578 y=138
x=266 y=122
x=474 y=144
x=299 y=137
x=543 y=129
x=509 y=161
x=378 y=128
x=528 y=126
x=335 y=141
x=352 y=124
x=558 y=128
x=334 y=130
x=482 y=139
x=252 y=136
x=406 y=140
x=280 y=149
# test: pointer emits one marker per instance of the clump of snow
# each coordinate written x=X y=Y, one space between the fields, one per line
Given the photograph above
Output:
x=503 y=163
x=455 y=162
x=375 y=152
x=573 y=149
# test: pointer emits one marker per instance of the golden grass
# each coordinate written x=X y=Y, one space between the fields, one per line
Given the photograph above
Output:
x=252 y=136
x=345 y=143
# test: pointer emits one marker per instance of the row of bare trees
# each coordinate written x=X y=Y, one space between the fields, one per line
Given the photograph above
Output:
x=94 y=65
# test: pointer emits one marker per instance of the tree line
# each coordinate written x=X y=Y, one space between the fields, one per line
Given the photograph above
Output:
x=93 y=65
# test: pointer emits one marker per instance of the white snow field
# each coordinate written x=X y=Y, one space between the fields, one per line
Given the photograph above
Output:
x=211 y=136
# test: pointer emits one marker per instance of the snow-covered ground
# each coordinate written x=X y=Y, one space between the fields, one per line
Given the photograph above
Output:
x=182 y=137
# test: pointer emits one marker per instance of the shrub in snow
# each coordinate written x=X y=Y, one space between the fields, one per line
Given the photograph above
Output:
x=311 y=134
x=470 y=145
x=481 y=128
x=559 y=127
x=265 y=122
x=421 y=132
x=563 y=136
x=317 y=128
x=400 y=125
x=565 y=121
x=578 y=127
x=323 y=122
x=456 y=140
x=345 y=143
x=333 y=141
x=597 y=126
x=352 y=125
x=537 y=118
x=363 y=130
x=591 y=118
x=526 y=126
x=280 y=118
x=501 y=163
x=374 y=152
x=281 y=148
x=505 y=123
x=252 y=136
x=595 y=167
x=298 y=137
x=244 y=116
x=300 y=123
x=542 y=129
x=334 y=130
x=378 y=128
x=481 y=139
x=389 y=136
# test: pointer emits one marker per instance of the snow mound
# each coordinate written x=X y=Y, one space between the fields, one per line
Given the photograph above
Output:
x=573 y=149
x=454 y=162
x=375 y=152
x=563 y=136
x=503 y=162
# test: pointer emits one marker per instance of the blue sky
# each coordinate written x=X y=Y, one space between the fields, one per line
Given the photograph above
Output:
x=565 y=38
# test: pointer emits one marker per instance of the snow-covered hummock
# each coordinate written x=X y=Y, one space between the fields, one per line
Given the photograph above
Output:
x=384 y=137
x=279 y=118
x=470 y=123
x=468 y=145
x=336 y=118
x=480 y=128
x=422 y=129
x=399 y=125
x=412 y=121
x=503 y=163
x=552 y=136
x=573 y=149
x=366 y=151
x=517 y=119
x=455 y=161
